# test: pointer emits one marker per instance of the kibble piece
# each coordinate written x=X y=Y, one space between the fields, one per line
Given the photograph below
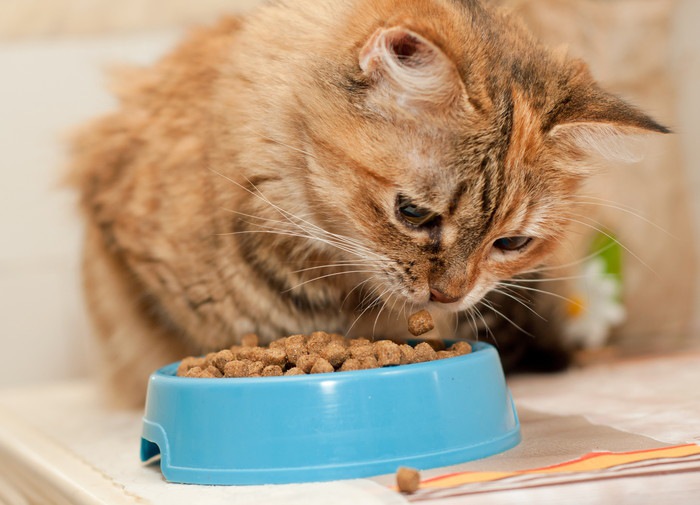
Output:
x=336 y=337
x=258 y=354
x=461 y=348
x=236 y=368
x=221 y=358
x=368 y=362
x=214 y=371
x=421 y=322
x=208 y=359
x=209 y=374
x=334 y=353
x=306 y=362
x=359 y=342
x=436 y=344
x=387 y=353
x=188 y=363
x=272 y=371
x=295 y=346
x=255 y=368
x=361 y=351
x=275 y=356
x=243 y=353
x=407 y=479
x=317 y=341
x=195 y=371
x=350 y=364
x=408 y=354
x=249 y=340
x=278 y=344
x=445 y=354
x=322 y=366
x=425 y=353
x=295 y=371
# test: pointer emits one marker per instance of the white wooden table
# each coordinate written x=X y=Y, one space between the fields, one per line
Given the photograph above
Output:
x=60 y=445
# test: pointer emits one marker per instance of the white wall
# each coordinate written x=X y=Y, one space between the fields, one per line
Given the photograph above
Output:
x=686 y=60
x=47 y=87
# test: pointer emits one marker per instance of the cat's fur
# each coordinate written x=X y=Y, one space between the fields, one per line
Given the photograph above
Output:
x=250 y=180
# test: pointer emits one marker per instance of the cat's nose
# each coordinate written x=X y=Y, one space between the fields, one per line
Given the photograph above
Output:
x=438 y=296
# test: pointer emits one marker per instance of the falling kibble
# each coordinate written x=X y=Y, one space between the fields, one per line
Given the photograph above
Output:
x=421 y=322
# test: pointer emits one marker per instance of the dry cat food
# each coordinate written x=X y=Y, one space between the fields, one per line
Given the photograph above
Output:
x=319 y=352
x=421 y=322
x=407 y=479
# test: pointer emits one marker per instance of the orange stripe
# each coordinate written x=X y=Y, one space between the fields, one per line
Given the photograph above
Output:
x=586 y=463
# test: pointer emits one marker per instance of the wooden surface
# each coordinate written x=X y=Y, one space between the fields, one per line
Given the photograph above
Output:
x=60 y=445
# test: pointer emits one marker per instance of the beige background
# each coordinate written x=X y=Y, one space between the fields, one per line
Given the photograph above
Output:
x=52 y=57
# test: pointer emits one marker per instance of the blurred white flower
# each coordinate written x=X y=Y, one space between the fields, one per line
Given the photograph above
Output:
x=594 y=307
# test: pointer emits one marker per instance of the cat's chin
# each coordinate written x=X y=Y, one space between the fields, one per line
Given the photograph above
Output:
x=465 y=303
x=455 y=307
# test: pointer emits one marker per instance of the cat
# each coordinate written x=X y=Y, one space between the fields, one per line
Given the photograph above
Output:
x=336 y=165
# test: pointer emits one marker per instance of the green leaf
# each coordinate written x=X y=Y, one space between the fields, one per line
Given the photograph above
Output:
x=606 y=247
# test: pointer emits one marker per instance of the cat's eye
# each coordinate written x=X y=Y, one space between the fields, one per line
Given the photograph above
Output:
x=511 y=243
x=415 y=214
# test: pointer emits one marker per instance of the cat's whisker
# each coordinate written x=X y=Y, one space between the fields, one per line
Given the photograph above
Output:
x=554 y=279
x=349 y=245
x=370 y=306
x=630 y=212
x=519 y=301
x=259 y=194
x=358 y=285
x=252 y=216
x=486 y=325
x=278 y=142
x=599 y=229
x=264 y=219
x=291 y=233
x=616 y=204
x=304 y=283
x=403 y=312
x=604 y=200
x=513 y=323
x=472 y=321
x=297 y=221
x=570 y=264
x=363 y=302
x=339 y=264
x=376 y=319
x=544 y=292
x=304 y=225
x=515 y=292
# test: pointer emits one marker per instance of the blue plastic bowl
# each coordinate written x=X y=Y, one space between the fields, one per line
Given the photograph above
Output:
x=319 y=427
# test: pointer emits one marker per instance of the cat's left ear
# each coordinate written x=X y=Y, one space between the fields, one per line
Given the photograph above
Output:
x=595 y=121
x=407 y=69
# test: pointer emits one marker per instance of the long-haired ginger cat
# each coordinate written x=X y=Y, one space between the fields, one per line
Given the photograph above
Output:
x=334 y=165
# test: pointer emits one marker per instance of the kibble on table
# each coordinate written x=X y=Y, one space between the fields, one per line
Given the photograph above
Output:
x=407 y=479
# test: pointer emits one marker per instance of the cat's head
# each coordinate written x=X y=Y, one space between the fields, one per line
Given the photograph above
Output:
x=451 y=145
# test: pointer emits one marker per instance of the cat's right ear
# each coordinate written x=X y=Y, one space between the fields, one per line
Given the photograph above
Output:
x=411 y=72
x=591 y=120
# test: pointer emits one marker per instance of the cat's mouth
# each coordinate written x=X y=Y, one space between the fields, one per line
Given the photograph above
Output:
x=438 y=296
